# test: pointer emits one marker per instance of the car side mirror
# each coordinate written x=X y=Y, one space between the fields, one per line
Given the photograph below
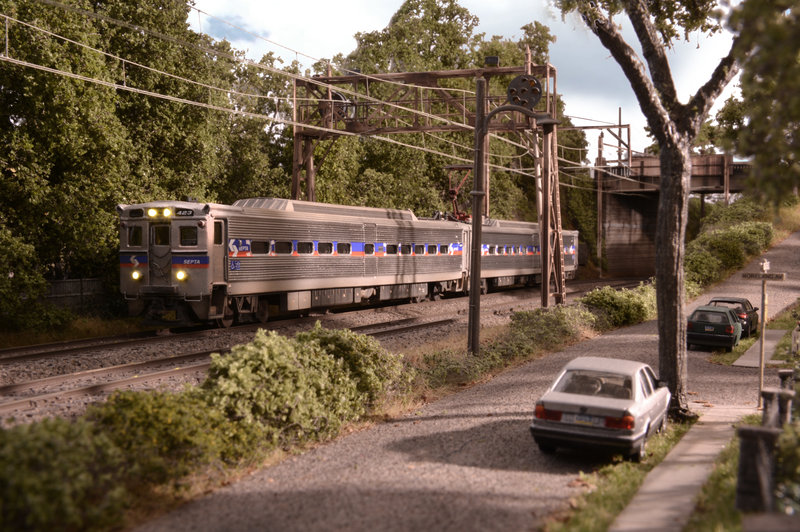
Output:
x=755 y=308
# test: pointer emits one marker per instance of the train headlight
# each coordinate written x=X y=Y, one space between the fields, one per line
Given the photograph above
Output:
x=181 y=275
x=167 y=212
x=152 y=213
x=136 y=275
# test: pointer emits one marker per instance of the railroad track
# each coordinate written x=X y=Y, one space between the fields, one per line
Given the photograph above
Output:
x=187 y=364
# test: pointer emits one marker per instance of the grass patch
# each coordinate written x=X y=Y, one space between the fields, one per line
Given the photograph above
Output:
x=611 y=488
x=716 y=504
x=720 y=356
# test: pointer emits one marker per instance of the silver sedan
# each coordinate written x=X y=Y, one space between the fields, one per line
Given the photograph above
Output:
x=601 y=402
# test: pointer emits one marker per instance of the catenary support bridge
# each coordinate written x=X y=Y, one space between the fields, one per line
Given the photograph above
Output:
x=627 y=205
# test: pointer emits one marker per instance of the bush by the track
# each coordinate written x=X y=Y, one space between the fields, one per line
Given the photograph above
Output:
x=80 y=475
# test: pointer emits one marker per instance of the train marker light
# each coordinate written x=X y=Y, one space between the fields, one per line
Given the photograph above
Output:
x=151 y=212
x=136 y=275
x=181 y=275
x=167 y=212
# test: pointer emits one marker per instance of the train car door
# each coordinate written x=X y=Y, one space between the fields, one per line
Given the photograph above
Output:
x=219 y=253
x=160 y=250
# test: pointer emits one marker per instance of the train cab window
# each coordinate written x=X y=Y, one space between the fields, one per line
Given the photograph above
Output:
x=343 y=248
x=283 y=248
x=405 y=249
x=391 y=249
x=443 y=249
x=305 y=248
x=325 y=248
x=419 y=250
x=431 y=249
x=135 y=235
x=369 y=249
x=161 y=235
x=188 y=235
x=217 y=233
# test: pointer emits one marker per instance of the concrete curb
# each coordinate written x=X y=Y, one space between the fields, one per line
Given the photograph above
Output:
x=667 y=496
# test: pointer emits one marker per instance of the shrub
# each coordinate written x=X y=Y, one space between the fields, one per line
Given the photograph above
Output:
x=617 y=308
x=715 y=252
x=60 y=475
x=788 y=467
x=529 y=334
x=700 y=265
x=294 y=390
x=722 y=215
x=166 y=435
x=374 y=368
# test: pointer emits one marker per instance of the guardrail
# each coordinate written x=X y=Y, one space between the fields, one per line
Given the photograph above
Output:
x=755 y=487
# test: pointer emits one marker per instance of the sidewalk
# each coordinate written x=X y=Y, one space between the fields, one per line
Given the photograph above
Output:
x=667 y=495
x=752 y=356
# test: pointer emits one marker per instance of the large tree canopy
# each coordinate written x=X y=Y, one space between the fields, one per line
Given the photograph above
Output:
x=763 y=125
x=675 y=126
x=73 y=149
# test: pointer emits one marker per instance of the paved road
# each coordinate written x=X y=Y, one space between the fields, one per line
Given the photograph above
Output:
x=466 y=462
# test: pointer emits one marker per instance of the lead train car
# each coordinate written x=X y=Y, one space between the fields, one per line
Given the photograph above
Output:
x=186 y=262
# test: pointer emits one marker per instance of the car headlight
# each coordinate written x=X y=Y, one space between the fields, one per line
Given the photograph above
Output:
x=181 y=275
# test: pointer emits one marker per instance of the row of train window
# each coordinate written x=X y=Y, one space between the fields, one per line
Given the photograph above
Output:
x=188 y=238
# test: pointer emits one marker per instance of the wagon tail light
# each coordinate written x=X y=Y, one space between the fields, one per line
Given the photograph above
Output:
x=626 y=422
x=549 y=415
x=743 y=315
x=689 y=326
x=729 y=329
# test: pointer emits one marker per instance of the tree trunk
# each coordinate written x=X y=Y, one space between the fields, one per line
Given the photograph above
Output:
x=673 y=201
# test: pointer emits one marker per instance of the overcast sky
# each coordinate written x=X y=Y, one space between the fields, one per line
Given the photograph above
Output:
x=591 y=82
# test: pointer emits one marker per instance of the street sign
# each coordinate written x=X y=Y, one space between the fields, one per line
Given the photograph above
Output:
x=767 y=276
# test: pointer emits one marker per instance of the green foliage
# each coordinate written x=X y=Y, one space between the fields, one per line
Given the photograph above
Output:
x=701 y=266
x=530 y=334
x=742 y=210
x=618 y=308
x=62 y=475
x=764 y=123
x=788 y=467
x=293 y=390
x=715 y=252
x=166 y=435
x=374 y=369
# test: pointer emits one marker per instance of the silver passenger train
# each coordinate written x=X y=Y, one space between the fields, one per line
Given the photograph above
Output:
x=186 y=262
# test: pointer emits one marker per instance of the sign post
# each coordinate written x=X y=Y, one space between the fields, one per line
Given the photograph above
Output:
x=764 y=275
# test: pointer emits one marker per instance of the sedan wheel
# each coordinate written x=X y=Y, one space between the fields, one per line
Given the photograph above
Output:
x=641 y=453
x=546 y=447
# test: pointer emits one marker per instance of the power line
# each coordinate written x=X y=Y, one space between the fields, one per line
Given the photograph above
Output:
x=234 y=58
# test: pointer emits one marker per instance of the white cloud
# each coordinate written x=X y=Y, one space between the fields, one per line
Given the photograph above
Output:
x=590 y=81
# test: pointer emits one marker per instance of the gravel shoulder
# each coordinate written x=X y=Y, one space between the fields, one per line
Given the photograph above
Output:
x=465 y=462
